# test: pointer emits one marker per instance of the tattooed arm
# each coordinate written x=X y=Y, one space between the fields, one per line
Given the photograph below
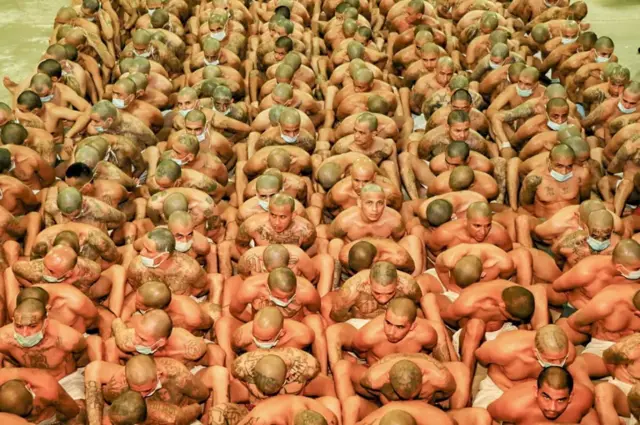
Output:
x=95 y=374
x=29 y=270
x=109 y=215
x=529 y=188
x=227 y=414
x=624 y=351
x=194 y=348
x=123 y=335
x=104 y=245
x=344 y=299
x=622 y=156
x=243 y=238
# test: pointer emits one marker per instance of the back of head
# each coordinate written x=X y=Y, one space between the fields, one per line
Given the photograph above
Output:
x=69 y=200
x=128 y=409
x=309 y=417
x=159 y=322
x=403 y=307
x=461 y=178
x=282 y=279
x=280 y=159
x=15 y=398
x=140 y=369
x=275 y=256
x=34 y=293
x=13 y=134
x=397 y=417
x=361 y=255
x=175 y=202
x=551 y=339
x=519 y=302
x=384 y=273
x=556 y=377
x=269 y=374
x=439 y=212
x=467 y=270
x=406 y=379
x=589 y=206
x=163 y=238
x=155 y=294
x=329 y=174
x=627 y=252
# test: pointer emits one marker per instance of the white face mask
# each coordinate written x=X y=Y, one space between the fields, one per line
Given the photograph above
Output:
x=225 y=113
x=178 y=161
x=145 y=54
x=99 y=129
x=634 y=275
x=118 y=103
x=147 y=351
x=597 y=245
x=28 y=341
x=265 y=345
x=263 y=204
x=219 y=35
x=91 y=18
x=201 y=136
x=183 y=246
x=46 y=98
x=601 y=59
x=555 y=126
x=523 y=92
x=289 y=139
x=51 y=279
x=546 y=364
x=28 y=388
x=281 y=303
x=158 y=386
x=559 y=177
x=151 y=11
x=494 y=65
x=184 y=112
x=213 y=62
x=566 y=40
x=625 y=110
x=149 y=262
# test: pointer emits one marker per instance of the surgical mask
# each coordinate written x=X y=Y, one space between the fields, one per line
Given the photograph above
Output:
x=494 y=65
x=601 y=59
x=144 y=54
x=263 y=204
x=91 y=18
x=178 y=161
x=149 y=262
x=143 y=349
x=118 y=103
x=225 y=113
x=634 y=275
x=289 y=139
x=46 y=98
x=523 y=92
x=265 y=345
x=158 y=386
x=184 y=246
x=28 y=341
x=219 y=35
x=13 y=165
x=281 y=303
x=151 y=11
x=566 y=40
x=554 y=125
x=561 y=177
x=546 y=364
x=597 y=245
x=213 y=62
x=99 y=129
x=52 y=279
x=625 y=110
x=184 y=112
x=30 y=391
x=201 y=136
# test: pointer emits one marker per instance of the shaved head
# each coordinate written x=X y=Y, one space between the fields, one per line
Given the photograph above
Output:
x=269 y=374
x=309 y=417
x=397 y=417
x=461 y=178
x=282 y=279
x=627 y=252
x=467 y=270
x=15 y=398
x=275 y=256
x=384 y=273
x=439 y=212
x=155 y=295
x=519 y=302
x=406 y=379
x=361 y=255
x=403 y=307
x=140 y=370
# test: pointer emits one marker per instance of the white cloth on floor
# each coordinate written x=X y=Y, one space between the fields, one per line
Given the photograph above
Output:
x=419 y=122
x=452 y=296
x=197 y=369
x=50 y=421
x=488 y=392
x=358 y=323
x=73 y=384
x=597 y=346
x=489 y=336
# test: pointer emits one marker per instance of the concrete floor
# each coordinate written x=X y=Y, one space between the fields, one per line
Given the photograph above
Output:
x=27 y=26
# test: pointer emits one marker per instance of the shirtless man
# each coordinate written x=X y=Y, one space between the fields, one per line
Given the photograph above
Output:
x=124 y=98
x=296 y=410
x=517 y=356
x=70 y=206
x=361 y=254
x=34 y=340
x=607 y=317
x=504 y=303
x=35 y=395
x=160 y=379
x=554 y=398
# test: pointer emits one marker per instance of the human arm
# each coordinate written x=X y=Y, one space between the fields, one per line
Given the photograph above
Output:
x=529 y=188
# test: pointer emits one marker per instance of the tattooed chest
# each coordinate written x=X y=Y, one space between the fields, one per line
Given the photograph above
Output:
x=44 y=359
x=367 y=307
x=289 y=236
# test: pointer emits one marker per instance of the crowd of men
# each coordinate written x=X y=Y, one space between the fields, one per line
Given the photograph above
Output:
x=305 y=212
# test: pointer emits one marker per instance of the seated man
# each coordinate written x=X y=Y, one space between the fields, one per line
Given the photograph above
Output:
x=517 y=356
x=361 y=254
x=295 y=409
x=35 y=341
x=464 y=177
x=503 y=304
x=555 y=397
